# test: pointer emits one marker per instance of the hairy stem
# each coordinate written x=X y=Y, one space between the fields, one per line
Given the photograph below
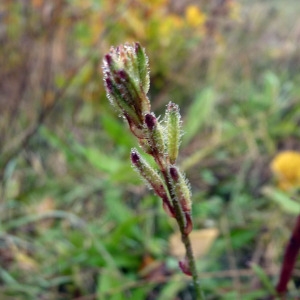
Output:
x=126 y=79
x=192 y=266
x=180 y=218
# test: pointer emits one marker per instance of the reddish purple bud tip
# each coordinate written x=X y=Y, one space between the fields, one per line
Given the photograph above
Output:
x=108 y=59
x=122 y=74
x=134 y=157
x=189 y=223
x=184 y=266
x=137 y=47
x=172 y=106
x=109 y=84
x=174 y=174
x=150 y=121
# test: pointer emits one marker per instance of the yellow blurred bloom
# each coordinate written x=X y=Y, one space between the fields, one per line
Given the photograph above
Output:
x=286 y=168
x=155 y=3
x=169 y=24
x=135 y=23
x=96 y=26
x=235 y=11
x=194 y=16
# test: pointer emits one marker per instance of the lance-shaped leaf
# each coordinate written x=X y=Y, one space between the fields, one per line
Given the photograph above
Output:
x=173 y=125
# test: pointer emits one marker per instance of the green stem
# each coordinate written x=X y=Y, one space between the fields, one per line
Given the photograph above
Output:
x=192 y=265
x=180 y=218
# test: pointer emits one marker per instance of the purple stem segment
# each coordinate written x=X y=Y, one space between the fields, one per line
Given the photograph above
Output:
x=289 y=260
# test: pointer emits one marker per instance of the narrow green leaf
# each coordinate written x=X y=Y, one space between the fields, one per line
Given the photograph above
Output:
x=200 y=113
x=283 y=200
x=100 y=160
x=108 y=281
x=171 y=289
x=260 y=273
x=116 y=131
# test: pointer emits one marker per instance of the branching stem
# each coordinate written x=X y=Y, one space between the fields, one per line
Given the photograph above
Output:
x=126 y=79
x=180 y=218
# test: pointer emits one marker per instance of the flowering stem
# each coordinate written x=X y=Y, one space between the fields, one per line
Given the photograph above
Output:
x=126 y=79
x=192 y=266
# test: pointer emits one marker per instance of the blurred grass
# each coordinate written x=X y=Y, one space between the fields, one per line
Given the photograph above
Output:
x=75 y=221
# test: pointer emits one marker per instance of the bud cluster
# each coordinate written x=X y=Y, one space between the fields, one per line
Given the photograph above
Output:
x=127 y=81
x=126 y=78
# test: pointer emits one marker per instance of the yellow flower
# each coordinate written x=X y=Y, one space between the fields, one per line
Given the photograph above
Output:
x=194 y=16
x=286 y=167
x=235 y=10
x=169 y=24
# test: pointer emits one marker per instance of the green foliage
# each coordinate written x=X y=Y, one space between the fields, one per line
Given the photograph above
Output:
x=75 y=220
x=264 y=279
x=283 y=200
x=200 y=113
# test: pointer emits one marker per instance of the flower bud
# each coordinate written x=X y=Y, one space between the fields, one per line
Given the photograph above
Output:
x=149 y=174
x=126 y=79
x=143 y=68
x=155 y=135
x=181 y=189
x=184 y=266
x=119 y=101
x=173 y=125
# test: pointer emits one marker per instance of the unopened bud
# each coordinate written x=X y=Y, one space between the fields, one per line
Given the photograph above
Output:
x=143 y=67
x=119 y=101
x=126 y=76
x=109 y=85
x=173 y=124
x=174 y=174
x=184 y=266
x=150 y=121
x=181 y=189
x=108 y=59
x=156 y=136
x=149 y=174
x=135 y=158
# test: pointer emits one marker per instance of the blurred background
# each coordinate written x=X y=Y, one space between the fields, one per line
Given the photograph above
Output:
x=76 y=222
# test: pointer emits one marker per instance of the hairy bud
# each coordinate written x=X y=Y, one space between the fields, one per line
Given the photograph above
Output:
x=156 y=136
x=143 y=68
x=126 y=78
x=148 y=173
x=173 y=124
x=181 y=189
